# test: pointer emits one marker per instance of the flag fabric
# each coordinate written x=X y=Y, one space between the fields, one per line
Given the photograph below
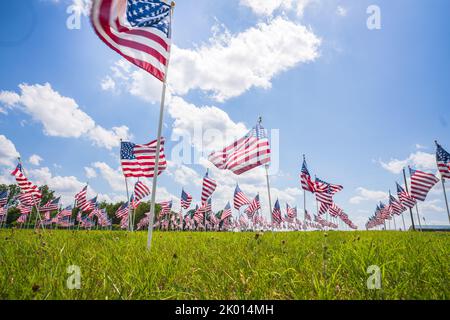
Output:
x=89 y=205
x=140 y=192
x=66 y=212
x=80 y=198
x=323 y=208
x=122 y=211
x=305 y=178
x=209 y=185
x=186 y=199
x=244 y=154
x=226 y=213
x=335 y=210
x=307 y=216
x=51 y=205
x=324 y=195
x=140 y=31
x=25 y=185
x=395 y=205
x=166 y=208
x=443 y=161
x=276 y=213
x=24 y=209
x=254 y=206
x=321 y=186
x=138 y=160
x=421 y=183
x=240 y=199
x=22 y=218
x=291 y=212
x=3 y=198
x=405 y=198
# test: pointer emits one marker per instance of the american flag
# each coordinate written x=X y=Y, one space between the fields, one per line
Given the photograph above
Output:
x=22 y=218
x=166 y=207
x=122 y=211
x=291 y=212
x=3 y=198
x=421 y=183
x=240 y=199
x=405 y=198
x=322 y=186
x=25 y=185
x=140 y=192
x=335 y=210
x=254 y=206
x=324 y=194
x=323 y=208
x=80 y=198
x=66 y=212
x=395 y=205
x=226 y=213
x=276 y=213
x=209 y=185
x=139 y=30
x=186 y=199
x=443 y=161
x=89 y=205
x=384 y=212
x=51 y=205
x=24 y=209
x=305 y=178
x=244 y=154
x=138 y=160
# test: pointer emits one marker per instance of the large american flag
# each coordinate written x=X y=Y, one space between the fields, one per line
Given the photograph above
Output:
x=305 y=178
x=25 y=185
x=240 y=199
x=421 y=183
x=443 y=161
x=322 y=186
x=209 y=185
x=80 y=198
x=246 y=153
x=226 y=213
x=186 y=199
x=139 y=30
x=138 y=160
x=140 y=192
x=405 y=198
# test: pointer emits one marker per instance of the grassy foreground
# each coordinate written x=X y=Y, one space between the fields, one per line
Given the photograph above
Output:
x=182 y=265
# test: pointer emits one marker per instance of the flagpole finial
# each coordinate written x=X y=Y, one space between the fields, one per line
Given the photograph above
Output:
x=172 y=4
x=259 y=120
x=435 y=141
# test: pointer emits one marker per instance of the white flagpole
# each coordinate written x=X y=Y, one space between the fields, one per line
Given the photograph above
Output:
x=158 y=144
x=445 y=196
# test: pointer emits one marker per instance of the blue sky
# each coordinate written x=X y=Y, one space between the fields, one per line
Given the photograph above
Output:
x=359 y=103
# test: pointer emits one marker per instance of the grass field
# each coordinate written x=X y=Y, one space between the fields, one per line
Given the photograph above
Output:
x=182 y=265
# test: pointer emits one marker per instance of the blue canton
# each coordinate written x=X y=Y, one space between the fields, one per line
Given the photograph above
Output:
x=149 y=13
x=126 y=151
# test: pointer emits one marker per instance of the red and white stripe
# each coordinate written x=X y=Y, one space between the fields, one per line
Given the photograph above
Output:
x=421 y=184
x=209 y=186
x=140 y=192
x=147 y=48
x=254 y=206
x=25 y=185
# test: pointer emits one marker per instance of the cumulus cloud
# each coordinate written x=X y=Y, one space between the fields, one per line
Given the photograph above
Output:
x=61 y=116
x=114 y=177
x=227 y=65
x=35 y=159
x=268 y=7
x=8 y=152
x=420 y=160
x=431 y=206
x=364 y=194
x=90 y=172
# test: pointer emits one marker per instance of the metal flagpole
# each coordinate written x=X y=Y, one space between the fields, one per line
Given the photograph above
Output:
x=410 y=210
x=445 y=196
x=418 y=216
x=158 y=144
x=268 y=190
x=403 y=219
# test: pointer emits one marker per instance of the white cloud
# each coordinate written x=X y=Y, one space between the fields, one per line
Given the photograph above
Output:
x=431 y=206
x=35 y=159
x=114 y=177
x=108 y=84
x=364 y=194
x=61 y=116
x=90 y=172
x=268 y=7
x=420 y=147
x=420 y=160
x=8 y=152
x=341 y=11
x=228 y=64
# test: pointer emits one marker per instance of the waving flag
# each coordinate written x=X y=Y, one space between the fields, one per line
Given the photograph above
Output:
x=405 y=198
x=240 y=199
x=421 y=183
x=140 y=31
x=24 y=209
x=276 y=213
x=291 y=212
x=209 y=185
x=25 y=185
x=324 y=196
x=395 y=205
x=3 y=198
x=307 y=216
x=443 y=161
x=80 y=198
x=122 y=211
x=335 y=211
x=138 y=160
x=254 y=206
x=186 y=199
x=166 y=208
x=305 y=178
x=249 y=152
x=89 y=205
x=322 y=186
x=140 y=192
x=22 y=218
x=226 y=213
x=66 y=212
x=324 y=207
x=51 y=205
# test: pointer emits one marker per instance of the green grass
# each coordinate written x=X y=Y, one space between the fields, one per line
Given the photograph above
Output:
x=182 y=265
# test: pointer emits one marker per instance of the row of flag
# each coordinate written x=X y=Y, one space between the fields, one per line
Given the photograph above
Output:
x=421 y=183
